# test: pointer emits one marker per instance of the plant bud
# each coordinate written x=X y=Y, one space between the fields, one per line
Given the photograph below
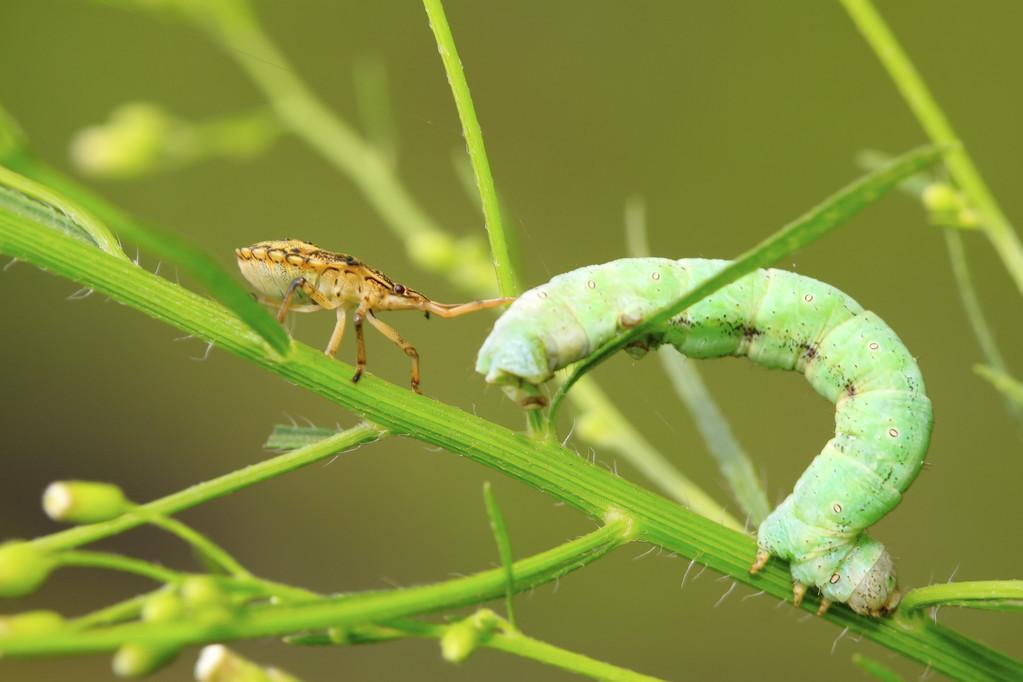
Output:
x=30 y=623
x=83 y=501
x=138 y=660
x=163 y=606
x=22 y=568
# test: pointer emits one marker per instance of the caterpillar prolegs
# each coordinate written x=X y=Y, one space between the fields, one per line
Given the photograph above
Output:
x=779 y=320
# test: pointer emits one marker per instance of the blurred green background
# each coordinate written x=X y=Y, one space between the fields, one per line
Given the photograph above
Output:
x=728 y=119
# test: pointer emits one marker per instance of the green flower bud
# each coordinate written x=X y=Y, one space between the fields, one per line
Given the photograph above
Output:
x=133 y=142
x=593 y=428
x=30 y=623
x=339 y=635
x=459 y=641
x=83 y=501
x=968 y=218
x=23 y=568
x=940 y=197
x=217 y=663
x=432 y=251
x=163 y=606
x=138 y=660
x=200 y=591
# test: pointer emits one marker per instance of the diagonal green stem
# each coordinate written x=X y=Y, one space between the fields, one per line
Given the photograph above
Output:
x=736 y=466
x=214 y=488
x=507 y=639
x=506 y=275
x=235 y=27
x=547 y=467
x=202 y=544
x=116 y=562
x=814 y=224
x=930 y=115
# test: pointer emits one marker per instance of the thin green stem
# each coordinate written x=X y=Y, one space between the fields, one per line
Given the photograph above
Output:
x=876 y=669
x=508 y=640
x=930 y=115
x=268 y=620
x=1009 y=387
x=307 y=117
x=527 y=647
x=970 y=301
x=731 y=457
x=206 y=547
x=116 y=562
x=551 y=469
x=732 y=460
x=809 y=227
x=916 y=186
x=992 y=595
x=601 y=424
x=127 y=609
x=217 y=487
x=506 y=276
x=504 y=550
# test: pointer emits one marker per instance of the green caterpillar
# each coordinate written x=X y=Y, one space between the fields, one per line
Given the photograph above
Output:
x=779 y=320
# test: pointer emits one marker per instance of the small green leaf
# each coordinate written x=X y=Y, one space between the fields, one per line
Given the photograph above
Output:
x=33 y=200
x=286 y=437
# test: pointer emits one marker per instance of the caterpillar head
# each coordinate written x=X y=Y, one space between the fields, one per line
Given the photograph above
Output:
x=866 y=580
x=517 y=363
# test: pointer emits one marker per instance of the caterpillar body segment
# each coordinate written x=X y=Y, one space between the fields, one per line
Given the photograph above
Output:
x=780 y=320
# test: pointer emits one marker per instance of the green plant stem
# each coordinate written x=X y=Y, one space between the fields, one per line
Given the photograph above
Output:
x=508 y=639
x=506 y=276
x=305 y=116
x=809 y=227
x=971 y=303
x=876 y=669
x=164 y=245
x=504 y=550
x=544 y=466
x=992 y=595
x=915 y=186
x=209 y=549
x=527 y=647
x=116 y=562
x=115 y=613
x=340 y=612
x=217 y=487
x=930 y=115
x=732 y=459
x=603 y=425
x=334 y=139
x=1008 y=386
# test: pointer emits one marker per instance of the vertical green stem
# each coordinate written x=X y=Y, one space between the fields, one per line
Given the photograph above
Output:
x=935 y=123
x=506 y=276
x=504 y=550
x=731 y=458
